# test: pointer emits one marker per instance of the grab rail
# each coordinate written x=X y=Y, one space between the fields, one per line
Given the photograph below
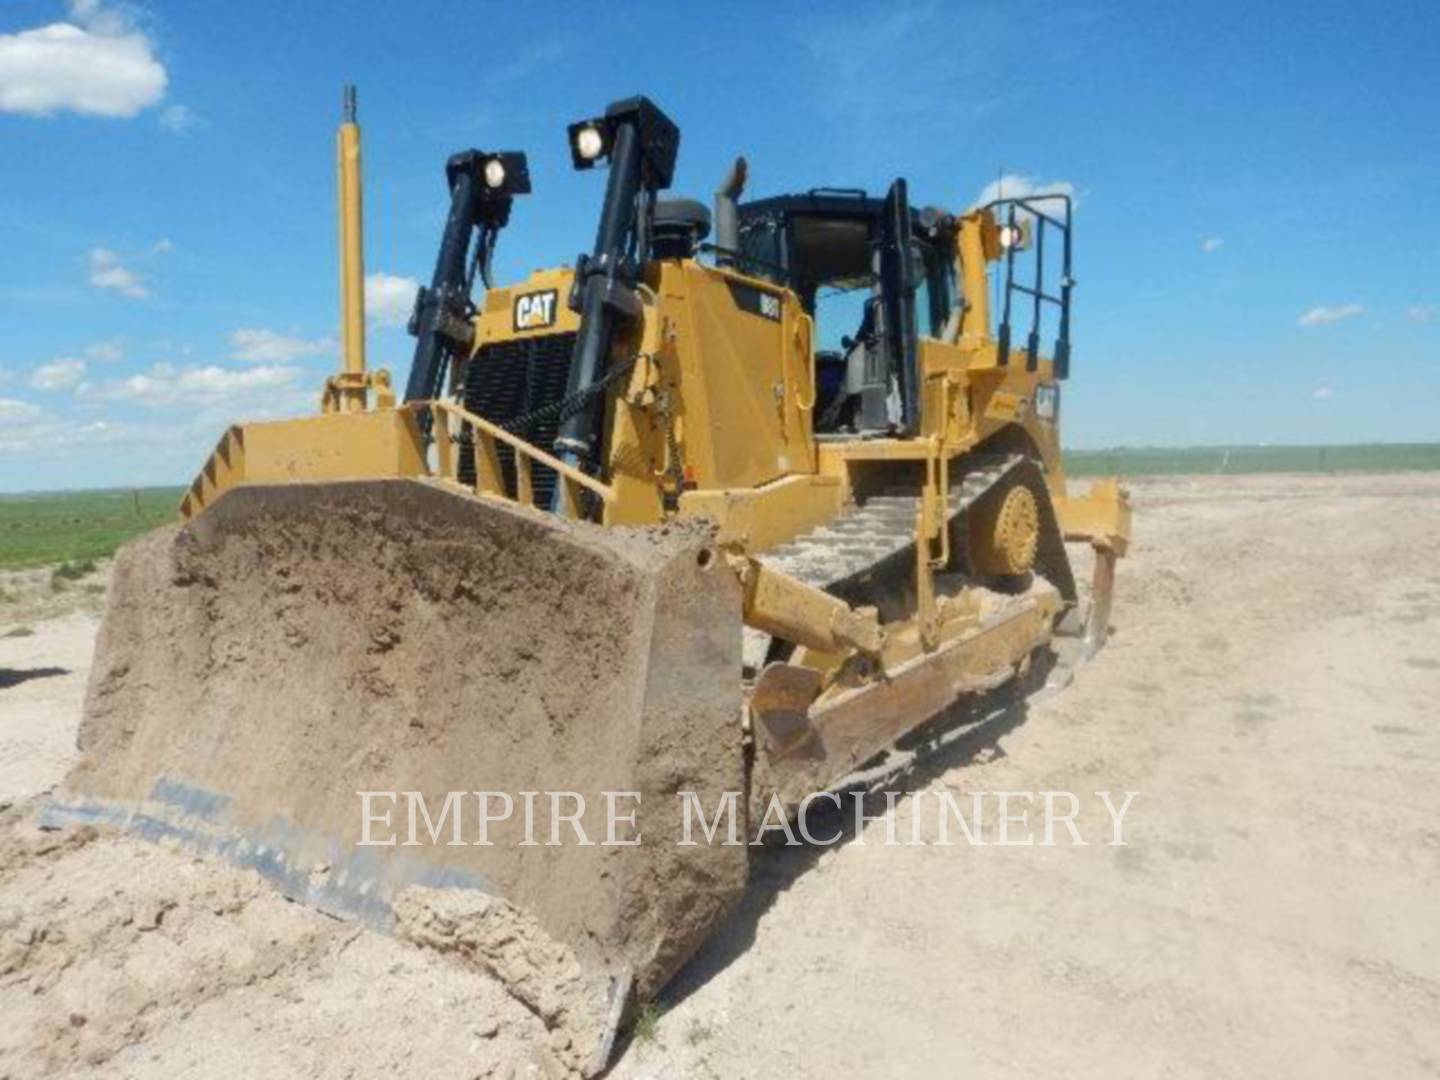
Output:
x=449 y=422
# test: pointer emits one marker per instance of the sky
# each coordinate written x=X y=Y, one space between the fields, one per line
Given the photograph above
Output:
x=1255 y=245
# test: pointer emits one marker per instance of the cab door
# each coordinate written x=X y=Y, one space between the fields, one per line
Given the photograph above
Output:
x=897 y=294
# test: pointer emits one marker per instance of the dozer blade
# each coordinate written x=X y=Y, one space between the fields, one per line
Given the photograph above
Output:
x=297 y=645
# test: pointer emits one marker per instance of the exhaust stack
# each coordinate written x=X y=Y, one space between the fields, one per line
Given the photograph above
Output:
x=727 y=220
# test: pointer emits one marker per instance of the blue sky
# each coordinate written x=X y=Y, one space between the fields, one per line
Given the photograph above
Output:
x=1256 y=247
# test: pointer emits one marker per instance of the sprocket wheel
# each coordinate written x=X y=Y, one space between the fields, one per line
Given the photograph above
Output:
x=1005 y=533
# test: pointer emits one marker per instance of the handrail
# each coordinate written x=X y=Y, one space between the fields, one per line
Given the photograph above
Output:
x=489 y=479
x=1036 y=292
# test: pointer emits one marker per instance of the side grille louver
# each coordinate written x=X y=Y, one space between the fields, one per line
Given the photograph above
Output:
x=511 y=379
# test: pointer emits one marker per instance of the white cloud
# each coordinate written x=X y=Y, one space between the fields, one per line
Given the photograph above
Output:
x=164 y=387
x=217 y=380
x=1212 y=243
x=58 y=374
x=94 y=15
x=46 y=431
x=1323 y=393
x=97 y=65
x=13 y=410
x=107 y=352
x=257 y=346
x=1016 y=186
x=389 y=299
x=1323 y=315
x=24 y=435
x=25 y=430
x=108 y=272
x=180 y=119
x=1420 y=312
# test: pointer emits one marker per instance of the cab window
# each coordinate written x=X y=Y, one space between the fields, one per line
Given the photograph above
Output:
x=934 y=279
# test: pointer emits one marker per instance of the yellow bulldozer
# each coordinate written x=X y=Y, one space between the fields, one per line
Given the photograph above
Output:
x=709 y=520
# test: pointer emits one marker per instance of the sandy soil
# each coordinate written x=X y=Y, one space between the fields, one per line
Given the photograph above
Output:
x=1269 y=693
x=47 y=636
x=121 y=959
x=42 y=687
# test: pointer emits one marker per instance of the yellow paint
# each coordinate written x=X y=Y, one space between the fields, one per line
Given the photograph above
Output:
x=352 y=260
x=976 y=245
x=1005 y=537
x=349 y=389
x=715 y=420
x=787 y=608
x=757 y=519
x=496 y=321
x=337 y=446
x=1102 y=517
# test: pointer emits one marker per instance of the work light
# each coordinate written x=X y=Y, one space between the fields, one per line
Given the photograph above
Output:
x=494 y=173
x=589 y=142
x=1015 y=236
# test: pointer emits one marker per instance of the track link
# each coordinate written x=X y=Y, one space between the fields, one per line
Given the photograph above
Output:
x=841 y=552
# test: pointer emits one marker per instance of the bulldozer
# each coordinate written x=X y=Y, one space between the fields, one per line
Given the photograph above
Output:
x=710 y=519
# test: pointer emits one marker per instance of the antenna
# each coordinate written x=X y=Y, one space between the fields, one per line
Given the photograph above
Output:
x=995 y=281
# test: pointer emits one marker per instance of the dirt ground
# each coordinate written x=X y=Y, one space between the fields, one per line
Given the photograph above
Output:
x=47 y=634
x=1269 y=693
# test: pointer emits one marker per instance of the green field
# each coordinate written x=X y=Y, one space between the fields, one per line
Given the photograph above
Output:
x=1160 y=461
x=42 y=529
x=37 y=530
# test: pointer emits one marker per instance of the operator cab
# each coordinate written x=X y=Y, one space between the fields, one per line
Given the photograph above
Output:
x=840 y=251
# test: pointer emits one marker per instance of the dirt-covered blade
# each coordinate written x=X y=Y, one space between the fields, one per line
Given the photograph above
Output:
x=298 y=645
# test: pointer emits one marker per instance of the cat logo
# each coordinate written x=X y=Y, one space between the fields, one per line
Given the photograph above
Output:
x=536 y=310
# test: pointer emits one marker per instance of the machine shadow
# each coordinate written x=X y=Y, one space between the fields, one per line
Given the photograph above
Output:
x=954 y=738
x=15 y=676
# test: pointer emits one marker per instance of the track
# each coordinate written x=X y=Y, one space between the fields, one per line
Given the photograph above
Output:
x=879 y=528
x=842 y=555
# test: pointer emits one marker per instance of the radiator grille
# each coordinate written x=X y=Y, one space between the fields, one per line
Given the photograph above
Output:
x=510 y=379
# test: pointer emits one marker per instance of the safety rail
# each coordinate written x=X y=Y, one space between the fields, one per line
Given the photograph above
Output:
x=449 y=423
x=1018 y=210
